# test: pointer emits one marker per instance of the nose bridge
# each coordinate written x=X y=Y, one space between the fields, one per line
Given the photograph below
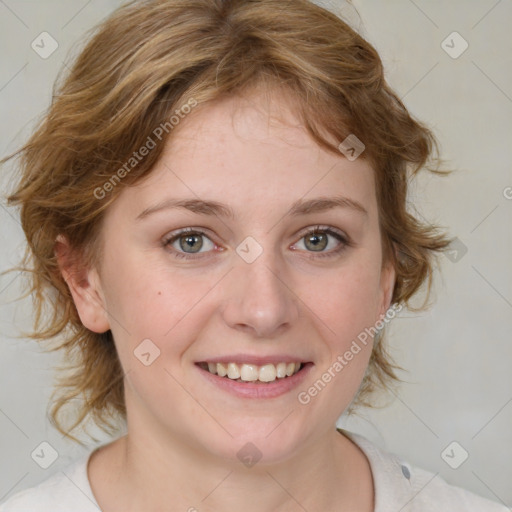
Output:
x=259 y=299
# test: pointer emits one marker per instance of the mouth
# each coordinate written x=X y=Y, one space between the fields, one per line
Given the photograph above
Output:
x=247 y=372
x=249 y=380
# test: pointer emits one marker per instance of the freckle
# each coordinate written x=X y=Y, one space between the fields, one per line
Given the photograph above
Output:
x=159 y=293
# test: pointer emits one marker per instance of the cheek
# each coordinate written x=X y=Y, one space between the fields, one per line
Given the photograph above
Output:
x=346 y=300
x=147 y=301
x=346 y=305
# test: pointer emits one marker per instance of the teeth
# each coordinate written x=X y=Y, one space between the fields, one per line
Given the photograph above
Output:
x=268 y=373
x=221 y=369
x=252 y=372
x=281 y=370
x=233 y=371
x=249 y=372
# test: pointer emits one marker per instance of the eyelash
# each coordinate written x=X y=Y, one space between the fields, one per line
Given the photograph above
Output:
x=344 y=242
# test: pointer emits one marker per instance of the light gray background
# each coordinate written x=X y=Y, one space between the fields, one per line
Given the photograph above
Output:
x=458 y=353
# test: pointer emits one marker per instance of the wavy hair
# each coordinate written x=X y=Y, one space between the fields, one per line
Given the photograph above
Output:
x=141 y=64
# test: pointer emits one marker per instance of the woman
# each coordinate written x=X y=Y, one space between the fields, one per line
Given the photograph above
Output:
x=217 y=201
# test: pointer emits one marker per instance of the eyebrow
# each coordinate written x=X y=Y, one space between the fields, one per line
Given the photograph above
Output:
x=299 y=207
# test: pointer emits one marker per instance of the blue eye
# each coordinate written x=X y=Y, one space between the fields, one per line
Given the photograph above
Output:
x=189 y=242
x=318 y=239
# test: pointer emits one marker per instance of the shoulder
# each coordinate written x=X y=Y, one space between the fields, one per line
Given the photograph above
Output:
x=400 y=486
x=66 y=490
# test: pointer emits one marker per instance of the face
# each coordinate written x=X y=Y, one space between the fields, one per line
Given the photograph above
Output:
x=249 y=273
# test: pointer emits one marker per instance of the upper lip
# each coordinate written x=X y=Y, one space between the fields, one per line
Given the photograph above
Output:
x=253 y=359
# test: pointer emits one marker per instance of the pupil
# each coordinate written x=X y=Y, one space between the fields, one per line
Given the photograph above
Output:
x=319 y=241
x=190 y=240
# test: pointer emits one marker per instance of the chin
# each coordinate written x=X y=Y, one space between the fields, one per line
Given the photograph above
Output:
x=265 y=441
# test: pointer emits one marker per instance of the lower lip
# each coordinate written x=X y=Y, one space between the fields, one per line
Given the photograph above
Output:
x=258 y=390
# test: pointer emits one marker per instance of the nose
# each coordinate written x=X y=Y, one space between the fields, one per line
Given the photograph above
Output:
x=259 y=298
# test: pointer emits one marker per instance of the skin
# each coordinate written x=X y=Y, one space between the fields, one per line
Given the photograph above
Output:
x=251 y=153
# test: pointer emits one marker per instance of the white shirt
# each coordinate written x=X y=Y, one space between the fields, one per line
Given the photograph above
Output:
x=398 y=487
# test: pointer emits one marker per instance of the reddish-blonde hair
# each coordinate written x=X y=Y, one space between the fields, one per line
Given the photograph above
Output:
x=142 y=64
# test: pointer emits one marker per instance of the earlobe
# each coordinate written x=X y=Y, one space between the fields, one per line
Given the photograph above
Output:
x=85 y=287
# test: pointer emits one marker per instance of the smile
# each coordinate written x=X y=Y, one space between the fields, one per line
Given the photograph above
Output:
x=251 y=372
x=257 y=381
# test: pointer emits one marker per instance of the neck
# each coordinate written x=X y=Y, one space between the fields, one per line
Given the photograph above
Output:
x=160 y=473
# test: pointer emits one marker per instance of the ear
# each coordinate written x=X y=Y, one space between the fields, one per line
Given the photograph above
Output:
x=85 y=287
x=387 y=286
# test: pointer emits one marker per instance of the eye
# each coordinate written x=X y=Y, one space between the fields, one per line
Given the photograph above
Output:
x=318 y=239
x=188 y=242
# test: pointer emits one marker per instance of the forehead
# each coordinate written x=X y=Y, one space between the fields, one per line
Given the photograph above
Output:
x=250 y=151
